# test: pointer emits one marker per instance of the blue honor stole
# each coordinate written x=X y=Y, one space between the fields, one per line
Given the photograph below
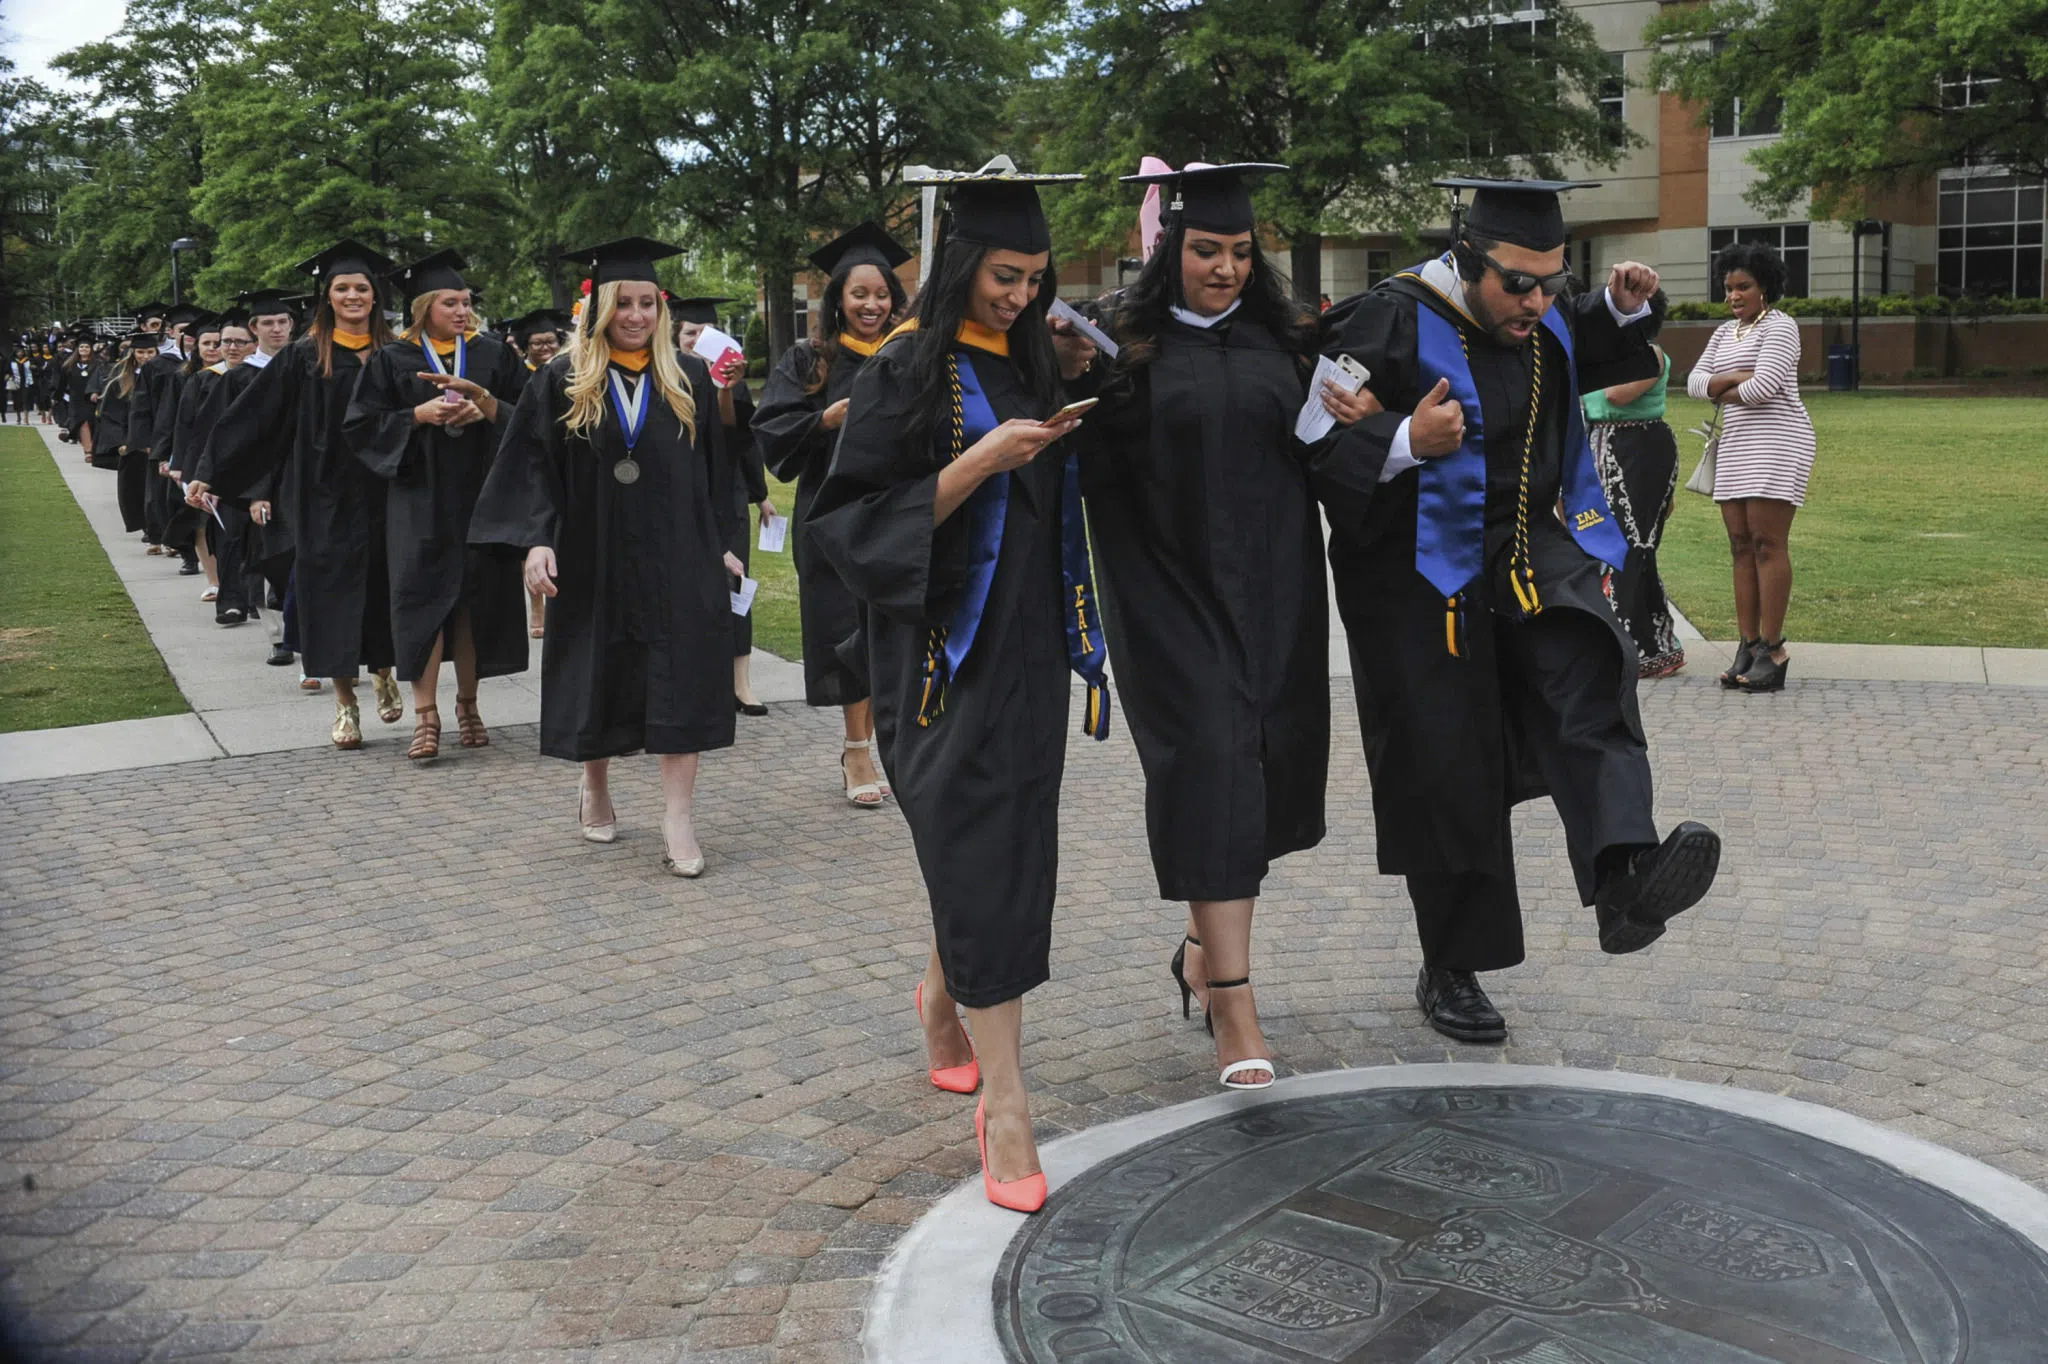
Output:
x=986 y=511
x=459 y=367
x=1450 y=514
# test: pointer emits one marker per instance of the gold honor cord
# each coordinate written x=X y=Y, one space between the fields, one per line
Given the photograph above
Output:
x=1521 y=573
x=930 y=707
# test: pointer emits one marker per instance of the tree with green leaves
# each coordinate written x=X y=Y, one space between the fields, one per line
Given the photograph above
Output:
x=1874 y=95
x=140 y=146
x=33 y=175
x=348 y=118
x=783 y=120
x=1367 y=100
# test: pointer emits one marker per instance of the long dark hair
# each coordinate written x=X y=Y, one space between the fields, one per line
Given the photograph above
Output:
x=941 y=307
x=832 y=321
x=322 y=330
x=1145 y=306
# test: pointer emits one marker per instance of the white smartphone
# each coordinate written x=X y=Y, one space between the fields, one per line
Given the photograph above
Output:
x=1354 y=371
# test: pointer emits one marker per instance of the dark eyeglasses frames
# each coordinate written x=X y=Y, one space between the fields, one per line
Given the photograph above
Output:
x=1519 y=282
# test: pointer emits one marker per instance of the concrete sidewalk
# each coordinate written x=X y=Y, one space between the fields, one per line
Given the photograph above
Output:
x=239 y=704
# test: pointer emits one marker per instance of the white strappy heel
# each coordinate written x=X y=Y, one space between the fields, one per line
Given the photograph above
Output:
x=867 y=795
x=1238 y=1067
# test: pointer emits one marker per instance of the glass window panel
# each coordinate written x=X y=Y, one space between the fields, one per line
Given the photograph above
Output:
x=1951 y=206
x=1724 y=121
x=2030 y=234
x=1991 y=205
x=1763 y=118
x=1769 y=236
x=1795 y=274
x=1720 y=237
x=1990 y=234
x=1795 y=234
x=2027 y=272
x=2030 y=203
x=1951 y=238
x=1950 y=272
x=1987 y=272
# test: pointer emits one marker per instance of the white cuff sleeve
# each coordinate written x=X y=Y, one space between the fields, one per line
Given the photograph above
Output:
x=1638 y=315
x=1399 y=461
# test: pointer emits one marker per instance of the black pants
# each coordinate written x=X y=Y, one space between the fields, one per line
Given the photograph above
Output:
x=229 y=538
x=1561 y=684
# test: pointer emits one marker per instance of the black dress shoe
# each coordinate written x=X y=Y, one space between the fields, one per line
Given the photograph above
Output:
x=747 y=708
x=1658 y=884
x=189 y=569
x=234 y=615
x=1457 y=1007
x=281 y=657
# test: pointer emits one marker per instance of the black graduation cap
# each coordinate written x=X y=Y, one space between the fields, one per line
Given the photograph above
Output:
x=703 y=308
x=237 y=316
x=1525 y=212
x=139 y=337
x=1212 y=198
x=142 y=312
x=867 y=244
x=628 y=258
x=540 y=320
x=301 y=304
x=442 y=270
x=184 y=313
x=347 y=257
x=205 y=322
x=995 y=206
x=263 y=302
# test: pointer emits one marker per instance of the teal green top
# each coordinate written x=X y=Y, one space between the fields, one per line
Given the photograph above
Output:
x=1648 y=408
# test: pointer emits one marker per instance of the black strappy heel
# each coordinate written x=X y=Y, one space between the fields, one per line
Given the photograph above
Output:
x=1179 y=967
x=1764 y=672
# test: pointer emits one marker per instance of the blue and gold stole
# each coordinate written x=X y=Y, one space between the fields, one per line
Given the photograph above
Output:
x=1450 y=513
x=986 y=510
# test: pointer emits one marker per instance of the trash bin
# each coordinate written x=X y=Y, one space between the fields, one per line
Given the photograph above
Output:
x=1841 y=369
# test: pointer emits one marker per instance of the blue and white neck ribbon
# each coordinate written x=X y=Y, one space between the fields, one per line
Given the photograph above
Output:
x=631 y=407
x=434 y=361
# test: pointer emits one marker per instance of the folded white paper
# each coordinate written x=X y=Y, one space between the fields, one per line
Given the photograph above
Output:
x=1068 y=313
x=1315 y=420
x=774 y=533
x=743 y=600
x=712 y=347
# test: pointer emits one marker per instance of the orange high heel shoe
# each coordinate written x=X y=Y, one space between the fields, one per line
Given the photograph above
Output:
x=1018 y=1195
x=953 y=1079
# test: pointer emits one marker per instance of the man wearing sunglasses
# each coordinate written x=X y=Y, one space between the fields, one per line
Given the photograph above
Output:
x=1471 y=545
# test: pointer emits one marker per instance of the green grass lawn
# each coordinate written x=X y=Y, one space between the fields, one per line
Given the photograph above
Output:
x=777 y=626
x=1926 y=522
x=72 y=648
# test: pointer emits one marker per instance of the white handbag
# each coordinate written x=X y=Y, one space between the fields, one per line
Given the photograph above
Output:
x=1702 y=480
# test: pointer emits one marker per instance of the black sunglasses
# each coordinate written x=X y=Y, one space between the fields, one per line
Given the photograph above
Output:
x=1519 y=282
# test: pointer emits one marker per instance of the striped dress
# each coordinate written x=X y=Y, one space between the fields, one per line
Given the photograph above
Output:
x=1766 y=446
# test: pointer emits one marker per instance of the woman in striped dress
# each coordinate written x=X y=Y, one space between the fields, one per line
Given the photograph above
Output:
x=1765 y=454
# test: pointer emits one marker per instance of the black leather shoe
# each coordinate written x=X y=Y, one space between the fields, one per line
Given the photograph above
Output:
x=281 y=657
x=189 y=570
x=1659 y=884
x=1457 y=1007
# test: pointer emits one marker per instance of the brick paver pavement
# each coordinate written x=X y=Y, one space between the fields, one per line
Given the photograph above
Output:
x=321 y=1057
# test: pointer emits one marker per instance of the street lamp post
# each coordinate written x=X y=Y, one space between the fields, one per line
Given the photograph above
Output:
x=182 y=244
x=1866 y=227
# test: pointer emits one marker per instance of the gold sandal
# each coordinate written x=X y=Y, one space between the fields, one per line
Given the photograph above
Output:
x=426 y=734
x=390 y=705
x=470 y=723
x=348 y=725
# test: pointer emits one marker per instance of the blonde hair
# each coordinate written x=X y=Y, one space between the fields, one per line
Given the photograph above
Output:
x=590 y=355
x=129 y=365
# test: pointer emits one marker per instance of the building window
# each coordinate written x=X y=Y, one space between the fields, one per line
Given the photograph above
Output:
x=1990 y=242
x=1613 y=102
x=1378 y=265
x=1745 y=118
x=801 y=310
x=1791 y=240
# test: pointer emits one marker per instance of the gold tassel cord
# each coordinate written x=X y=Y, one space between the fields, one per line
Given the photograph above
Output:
x=1521 y=572
x=933 y=702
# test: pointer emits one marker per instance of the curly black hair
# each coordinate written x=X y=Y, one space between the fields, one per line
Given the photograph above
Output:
x=1144 y=308
x=1759 y=260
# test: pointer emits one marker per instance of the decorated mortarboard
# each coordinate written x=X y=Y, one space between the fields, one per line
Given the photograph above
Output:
x=996 y=206
x=1524 y=212
x=1212 y=198
x=703 y=308
x=628 y=258
x=347 y=257
x=264 y=302
x=442 y=270
x=867 y=244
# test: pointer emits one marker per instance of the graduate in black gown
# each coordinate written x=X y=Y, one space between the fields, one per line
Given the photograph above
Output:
x=749 y=479
x=802 y=409
x=288 y=422
x=263 y=537
x=539 y=335
x=1470 y=545
x=186 y=523
x=227 y=523
x=426 y=418
x=961 y=534
x=79 y=395
x=110 y=429
x=152 y=426
x=1210 y=548
x=612 y=483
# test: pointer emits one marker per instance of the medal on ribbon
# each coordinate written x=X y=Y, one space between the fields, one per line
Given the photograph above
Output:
x=632 y=412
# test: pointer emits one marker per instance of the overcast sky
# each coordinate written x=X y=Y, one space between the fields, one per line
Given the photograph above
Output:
x=34 y=31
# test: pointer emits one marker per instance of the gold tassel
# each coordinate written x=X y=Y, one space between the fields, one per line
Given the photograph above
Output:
x=1451 y=627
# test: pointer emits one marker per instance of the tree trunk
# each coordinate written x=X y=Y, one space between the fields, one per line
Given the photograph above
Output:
x=1305 y=262
x=778 y=285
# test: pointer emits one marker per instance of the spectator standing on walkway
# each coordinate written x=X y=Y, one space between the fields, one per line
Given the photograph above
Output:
x=289 y=423
x=612 y=482
x=1763 y=456
x=951 y=524
x=426 y=419
x=803 y=407
x=1637 y=457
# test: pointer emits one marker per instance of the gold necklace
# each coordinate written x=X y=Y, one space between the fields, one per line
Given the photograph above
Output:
x=1743 y=329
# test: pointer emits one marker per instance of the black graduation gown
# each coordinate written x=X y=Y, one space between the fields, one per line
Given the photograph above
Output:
x=75 y=396
x=268 y=547
x=109 y=434
x=432 y=476
x=191 y=428
x=639 y=640
x=1209 y=552
x=1544 y=706
x=980 y=785
x=152 y=420
x=749 y=486
x=287 y=423
x=798 y=449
